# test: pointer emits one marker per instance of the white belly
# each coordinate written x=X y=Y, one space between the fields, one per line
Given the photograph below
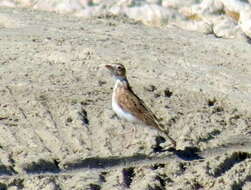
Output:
x=118 y=110
x=121 y=113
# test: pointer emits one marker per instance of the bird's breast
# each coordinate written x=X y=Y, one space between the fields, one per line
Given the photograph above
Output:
x=117 y=108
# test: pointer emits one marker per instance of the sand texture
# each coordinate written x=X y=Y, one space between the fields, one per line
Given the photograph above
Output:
x=57 y=127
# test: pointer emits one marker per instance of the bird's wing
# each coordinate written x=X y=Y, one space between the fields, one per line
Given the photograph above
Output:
x=130 y=102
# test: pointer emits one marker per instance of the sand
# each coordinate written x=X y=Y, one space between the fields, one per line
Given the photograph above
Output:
x=57 y=127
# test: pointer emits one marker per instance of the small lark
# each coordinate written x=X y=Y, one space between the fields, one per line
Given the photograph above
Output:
x=128 y=105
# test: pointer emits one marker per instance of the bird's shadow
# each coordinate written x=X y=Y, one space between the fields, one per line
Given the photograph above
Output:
x=188 y=154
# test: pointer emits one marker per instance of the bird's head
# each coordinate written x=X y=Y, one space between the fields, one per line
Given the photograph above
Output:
x=117 y=70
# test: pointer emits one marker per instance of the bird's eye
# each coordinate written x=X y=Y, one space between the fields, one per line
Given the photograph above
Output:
x=119 y=67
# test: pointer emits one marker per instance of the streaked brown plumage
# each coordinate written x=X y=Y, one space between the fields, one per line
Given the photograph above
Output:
x=128 y=105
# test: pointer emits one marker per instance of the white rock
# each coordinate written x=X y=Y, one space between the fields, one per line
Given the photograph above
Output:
x=205 y=8
x=234 y=5
x=154 y=15
x=177 y=4
x=7 y=4
x=212 y=11
x=58 y=6
x=203 y=26
x=225 y=27
x=245 y=21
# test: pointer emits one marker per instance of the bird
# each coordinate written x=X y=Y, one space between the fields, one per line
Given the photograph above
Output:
x=127 y=105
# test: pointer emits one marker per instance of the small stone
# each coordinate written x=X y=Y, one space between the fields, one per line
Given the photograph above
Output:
x=168 y=93
x=150 y=88
x=101 y=83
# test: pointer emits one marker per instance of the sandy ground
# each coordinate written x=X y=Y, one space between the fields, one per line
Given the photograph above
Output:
x=57 y=128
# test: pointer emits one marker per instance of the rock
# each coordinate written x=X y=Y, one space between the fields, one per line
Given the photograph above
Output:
x=245 y=21
x=177 y=4
x=153 y=15
x=225 y=27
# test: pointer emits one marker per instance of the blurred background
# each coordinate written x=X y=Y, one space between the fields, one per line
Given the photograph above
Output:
x=223 y=18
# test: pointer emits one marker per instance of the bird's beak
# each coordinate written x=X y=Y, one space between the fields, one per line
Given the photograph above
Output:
x=109 y=67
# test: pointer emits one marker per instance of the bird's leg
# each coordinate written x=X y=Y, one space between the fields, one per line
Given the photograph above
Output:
x=133 y=131
x=166 y=133
x=171 y=139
